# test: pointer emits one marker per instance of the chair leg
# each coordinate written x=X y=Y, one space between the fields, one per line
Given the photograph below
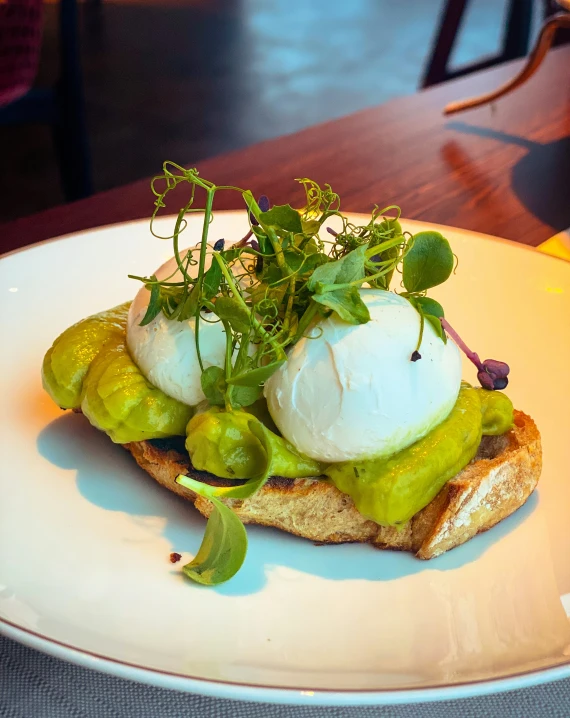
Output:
x=515 y=41
x=70 y=130
x=449 y=23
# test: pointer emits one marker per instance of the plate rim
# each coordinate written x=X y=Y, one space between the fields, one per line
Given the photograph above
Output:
x=241 y=690
x=422 y=222
x=244 y=691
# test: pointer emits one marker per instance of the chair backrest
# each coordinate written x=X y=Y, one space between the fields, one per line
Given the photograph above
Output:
x=20 y=44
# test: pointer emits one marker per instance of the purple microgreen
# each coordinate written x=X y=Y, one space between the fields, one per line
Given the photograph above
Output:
x=492 y=374
x=254 y=244
x=219 y=245
x=497 y=369
x=485 y=380
x=330 y=230
x=500 y=383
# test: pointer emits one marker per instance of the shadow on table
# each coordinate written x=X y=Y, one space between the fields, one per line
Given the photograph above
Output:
x=108 y=477
x=539 y=179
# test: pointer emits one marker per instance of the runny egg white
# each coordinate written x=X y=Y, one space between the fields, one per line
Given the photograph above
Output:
x=351 y=392
x=165 y=350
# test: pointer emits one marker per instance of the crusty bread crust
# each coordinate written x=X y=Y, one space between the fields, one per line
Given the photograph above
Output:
x=494 y=485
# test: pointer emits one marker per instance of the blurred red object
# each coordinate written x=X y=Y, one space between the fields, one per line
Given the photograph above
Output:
x=20 y=44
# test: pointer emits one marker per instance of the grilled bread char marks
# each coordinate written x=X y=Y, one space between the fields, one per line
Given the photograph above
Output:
x=494 y=485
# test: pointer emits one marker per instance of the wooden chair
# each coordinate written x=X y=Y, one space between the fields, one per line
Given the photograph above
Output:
x=555 y=28
x=515 y=42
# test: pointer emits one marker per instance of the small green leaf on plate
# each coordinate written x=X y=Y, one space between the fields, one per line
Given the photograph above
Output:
x=224 y=546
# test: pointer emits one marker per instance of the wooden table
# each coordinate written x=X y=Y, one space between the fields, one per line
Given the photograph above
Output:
x=503 y=170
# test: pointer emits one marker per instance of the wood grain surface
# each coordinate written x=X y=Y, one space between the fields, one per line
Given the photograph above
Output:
x=503 y=170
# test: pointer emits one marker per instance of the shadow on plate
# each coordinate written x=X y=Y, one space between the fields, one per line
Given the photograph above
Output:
x=108 y=477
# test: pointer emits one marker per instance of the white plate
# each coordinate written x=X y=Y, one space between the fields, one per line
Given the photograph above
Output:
x=85 y=535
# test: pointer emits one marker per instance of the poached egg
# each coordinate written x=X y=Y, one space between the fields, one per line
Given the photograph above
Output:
x=165 y=350
x=348 y=393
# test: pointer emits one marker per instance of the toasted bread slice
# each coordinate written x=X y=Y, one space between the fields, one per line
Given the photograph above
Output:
x=494 y=485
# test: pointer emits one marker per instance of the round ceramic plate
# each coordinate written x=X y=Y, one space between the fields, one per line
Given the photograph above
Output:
x=85 y=535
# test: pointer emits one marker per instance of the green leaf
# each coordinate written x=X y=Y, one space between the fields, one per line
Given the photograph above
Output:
x=190 y=306
x=272 y=273
x=436 y=324
x=233 y=311
x=244 y=395
x=310 y=226
x=283 y=217
x=428 y=263
x=429 y=306
x=242 y=360
x=256 y=376
x=265 y=246
x=224 y=546
x=154 y=304
x=261 y=292
x=294 y=260
x=346 y=269
x=228 y=255
x=347 y=303
x=312 y=261
x=252 y=205
x=212 y=280
x=213 y=385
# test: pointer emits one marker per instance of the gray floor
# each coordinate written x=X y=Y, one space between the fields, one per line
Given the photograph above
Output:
x=187 y=79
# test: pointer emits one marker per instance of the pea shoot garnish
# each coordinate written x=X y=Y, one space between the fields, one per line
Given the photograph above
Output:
x=268 y=290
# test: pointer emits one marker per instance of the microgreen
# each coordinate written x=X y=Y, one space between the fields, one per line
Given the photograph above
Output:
x=224 y=545
x=428 y=263
x=270 y=286
x=268 y=289
x=492 y=374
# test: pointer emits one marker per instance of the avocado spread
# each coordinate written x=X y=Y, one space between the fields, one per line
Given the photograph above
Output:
x=89 y=368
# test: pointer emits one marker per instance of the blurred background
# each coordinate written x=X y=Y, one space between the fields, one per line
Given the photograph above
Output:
x=188 y=79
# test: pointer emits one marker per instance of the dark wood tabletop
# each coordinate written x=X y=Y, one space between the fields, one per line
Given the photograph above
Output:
x=502 y=170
